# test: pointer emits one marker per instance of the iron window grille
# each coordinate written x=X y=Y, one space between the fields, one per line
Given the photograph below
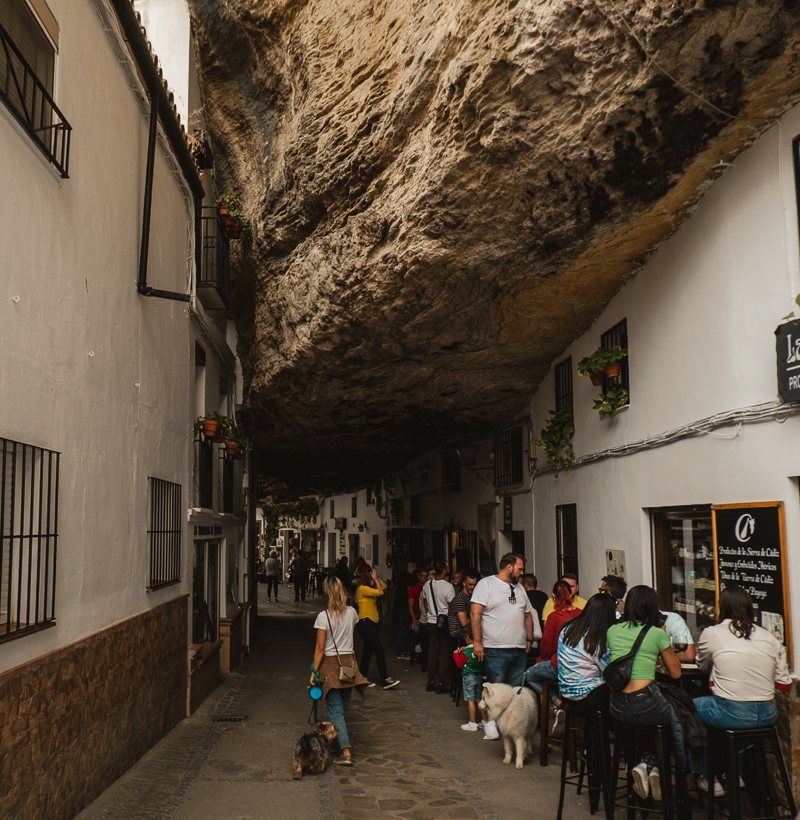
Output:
x=28 y=537
x=332 y=515
x=567 y=538
x=508 y=457
x=227 y=484
x=354 y=506
x=28 y=99
x=164 y=533
x=563 y=374
x=213 y=282
x=451 y=472
x=618 y=335
x=204 y=474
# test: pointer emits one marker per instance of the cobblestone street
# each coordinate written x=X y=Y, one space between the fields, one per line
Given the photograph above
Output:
x=412 y=759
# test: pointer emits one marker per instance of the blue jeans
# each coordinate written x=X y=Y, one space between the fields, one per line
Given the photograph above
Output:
x=646 y=708
x=534 y=675
x=338 y=701
x=734 y=714
x=504 y=666
x=403 y=631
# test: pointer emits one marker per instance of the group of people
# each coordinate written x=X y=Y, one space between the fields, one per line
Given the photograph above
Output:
x=502 y=629
x=298 y=574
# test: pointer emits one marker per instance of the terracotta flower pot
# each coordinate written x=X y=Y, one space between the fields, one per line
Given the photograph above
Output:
x=230 y=447
x=612 y=370
x=238 y=455
x=234 y=229
x=597 y=378
x=219 y=437
x=209 y=428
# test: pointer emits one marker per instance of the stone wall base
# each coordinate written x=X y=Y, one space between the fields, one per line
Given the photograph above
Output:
x=72 y=722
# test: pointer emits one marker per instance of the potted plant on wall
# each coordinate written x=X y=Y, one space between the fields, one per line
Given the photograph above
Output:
x=213 y=426
x=236 y=223
x=603 y=363
x=555 y=439
x=611 y=402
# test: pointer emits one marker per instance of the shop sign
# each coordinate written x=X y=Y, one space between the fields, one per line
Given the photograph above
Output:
x=507 y=517
x=787 y=346
x=750 y=551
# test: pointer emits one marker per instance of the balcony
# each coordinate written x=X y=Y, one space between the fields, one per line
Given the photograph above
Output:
x=27 y=98
x=214 y=273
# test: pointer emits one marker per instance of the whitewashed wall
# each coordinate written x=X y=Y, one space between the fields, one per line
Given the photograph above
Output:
x=90 y=368
x=700 y=315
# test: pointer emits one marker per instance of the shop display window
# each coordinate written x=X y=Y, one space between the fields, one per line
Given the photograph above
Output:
x=684 y=564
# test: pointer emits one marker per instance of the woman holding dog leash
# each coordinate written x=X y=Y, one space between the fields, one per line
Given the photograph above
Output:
x=335 y=661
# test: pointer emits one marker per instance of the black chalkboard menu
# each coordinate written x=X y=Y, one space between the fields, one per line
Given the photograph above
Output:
x=750 y=550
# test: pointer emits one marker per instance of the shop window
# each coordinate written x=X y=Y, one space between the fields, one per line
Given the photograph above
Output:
x=28 y=537
x=684 y=564
x=567 y=539
x=618 y=335
x=164 y=533
x=508 y=457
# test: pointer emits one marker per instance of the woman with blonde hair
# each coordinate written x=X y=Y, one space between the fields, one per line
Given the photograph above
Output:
x=334 y=652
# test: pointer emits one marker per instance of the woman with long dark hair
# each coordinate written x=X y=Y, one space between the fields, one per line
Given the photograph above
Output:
x=334 y=649
x=583 y=653
x=369 y=589
x=746 y=663
x=641 y=701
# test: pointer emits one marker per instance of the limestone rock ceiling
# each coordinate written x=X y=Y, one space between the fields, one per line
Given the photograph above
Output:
x=445 y=193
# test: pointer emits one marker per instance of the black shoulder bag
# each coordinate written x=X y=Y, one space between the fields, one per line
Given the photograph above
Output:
x=617 y=674
x=441 y=620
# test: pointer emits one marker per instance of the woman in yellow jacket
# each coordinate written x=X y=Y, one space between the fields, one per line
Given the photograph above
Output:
x=370 y=588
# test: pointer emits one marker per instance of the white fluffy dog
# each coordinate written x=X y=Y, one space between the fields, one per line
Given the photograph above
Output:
x=515 y=710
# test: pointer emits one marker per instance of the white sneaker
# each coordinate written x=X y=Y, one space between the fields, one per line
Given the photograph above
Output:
x=702 y=783
x=655 y=783
x=490 y=731
x=390 y=684
x=558 y=723
x=418 y=648
x=641 y=782
x=470 y=727
x=370 y=685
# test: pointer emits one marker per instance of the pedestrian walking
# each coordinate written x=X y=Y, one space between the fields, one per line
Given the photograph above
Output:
x=273 y=569
x=334 y=653
x=369 y=589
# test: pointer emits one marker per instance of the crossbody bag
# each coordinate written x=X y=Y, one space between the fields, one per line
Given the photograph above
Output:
x=347 y=674
x=441 y=620
x=617 y=674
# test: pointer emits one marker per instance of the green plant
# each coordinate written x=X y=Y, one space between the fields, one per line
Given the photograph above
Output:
x=555 y=439
x=600 y=359
x=791 y=316
x=303 y=508
x=226 y=425
x=609 y=403
x=234 y=205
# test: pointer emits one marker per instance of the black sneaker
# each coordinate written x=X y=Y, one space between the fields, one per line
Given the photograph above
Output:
x=441 y=689
x=431 y=687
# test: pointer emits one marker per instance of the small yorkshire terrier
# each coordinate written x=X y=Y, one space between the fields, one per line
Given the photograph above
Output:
x=311 y=751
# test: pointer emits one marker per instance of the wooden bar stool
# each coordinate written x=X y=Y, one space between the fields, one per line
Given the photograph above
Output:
x=545 y=738
x=724 y=748
x=592 y=741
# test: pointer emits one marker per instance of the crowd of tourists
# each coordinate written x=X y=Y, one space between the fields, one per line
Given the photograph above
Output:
x=502 y=629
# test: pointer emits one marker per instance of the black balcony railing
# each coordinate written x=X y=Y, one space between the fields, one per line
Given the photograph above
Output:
x=214 y=274
x=29 y=101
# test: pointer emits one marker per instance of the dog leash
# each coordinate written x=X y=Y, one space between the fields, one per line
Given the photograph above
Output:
x=315 y=693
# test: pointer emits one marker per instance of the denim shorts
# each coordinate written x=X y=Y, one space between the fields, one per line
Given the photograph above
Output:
x=472 y=685
x=735 y=714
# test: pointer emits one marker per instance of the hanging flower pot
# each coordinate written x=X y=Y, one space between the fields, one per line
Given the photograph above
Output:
x=238 y=455
x=230 y=447
x=209 y=428
x=612 y=370
x=597 y=378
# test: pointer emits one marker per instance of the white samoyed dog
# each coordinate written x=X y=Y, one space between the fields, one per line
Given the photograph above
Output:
x=516 y=711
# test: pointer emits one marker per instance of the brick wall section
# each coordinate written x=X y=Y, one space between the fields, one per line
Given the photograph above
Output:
x=73 y=721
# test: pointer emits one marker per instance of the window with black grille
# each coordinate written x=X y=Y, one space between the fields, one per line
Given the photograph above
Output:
x=354 y=506
x=227 y=485
x=204 y=476
x=451 y=471
x=332 y=515
x=28 y=537
x=618 y=335
x=567 y=538
x=508 y=457
x=164 y=533
x=563 y=374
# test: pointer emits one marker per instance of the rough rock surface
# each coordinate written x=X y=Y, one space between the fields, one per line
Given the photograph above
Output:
x=446 y=192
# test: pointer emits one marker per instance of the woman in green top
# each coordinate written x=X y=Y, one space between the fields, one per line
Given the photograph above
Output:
x=641 y=701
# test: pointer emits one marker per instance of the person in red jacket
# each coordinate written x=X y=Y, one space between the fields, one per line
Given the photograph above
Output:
x=547 y=667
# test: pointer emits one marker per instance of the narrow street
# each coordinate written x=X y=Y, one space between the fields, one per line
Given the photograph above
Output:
x=412 y=759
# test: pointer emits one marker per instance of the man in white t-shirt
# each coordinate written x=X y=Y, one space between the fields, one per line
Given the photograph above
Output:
x=503 y=626
x=434 y=602
x=680 y=637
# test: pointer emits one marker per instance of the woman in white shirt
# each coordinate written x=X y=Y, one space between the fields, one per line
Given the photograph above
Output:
x=334 y=649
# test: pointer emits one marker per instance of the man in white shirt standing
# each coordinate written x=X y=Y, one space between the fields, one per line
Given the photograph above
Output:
x=503 y=626
x=434 y=602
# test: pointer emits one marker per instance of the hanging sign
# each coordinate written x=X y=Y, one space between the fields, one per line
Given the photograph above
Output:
x=787 y=346
x=750 y=551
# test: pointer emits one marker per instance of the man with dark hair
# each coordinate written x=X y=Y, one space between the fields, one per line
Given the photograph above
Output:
x=615 y=586
x=458 y=613
x=434 y=602
x=503 y=626
x=577 y=601
x=537 y=597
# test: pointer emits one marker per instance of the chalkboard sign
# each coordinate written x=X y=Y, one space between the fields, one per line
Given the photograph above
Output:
x=750 y=550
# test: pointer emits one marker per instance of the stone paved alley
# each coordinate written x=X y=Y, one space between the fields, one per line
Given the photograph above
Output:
x=412 y=759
